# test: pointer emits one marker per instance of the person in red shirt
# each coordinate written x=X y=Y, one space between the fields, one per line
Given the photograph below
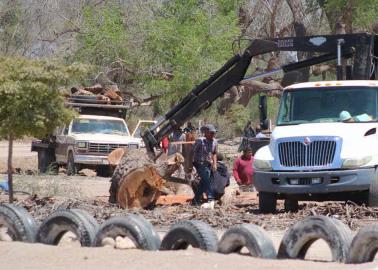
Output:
x=164 y=144
x=242 y=170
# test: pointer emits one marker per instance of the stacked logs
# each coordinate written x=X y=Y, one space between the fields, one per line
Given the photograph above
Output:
x=107 y=95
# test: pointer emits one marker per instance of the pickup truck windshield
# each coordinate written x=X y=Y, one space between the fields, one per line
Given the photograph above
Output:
x=104 y=126
x=331 y=104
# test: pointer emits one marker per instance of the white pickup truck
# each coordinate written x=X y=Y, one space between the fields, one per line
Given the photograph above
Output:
x=88 y=139
x=324 y=146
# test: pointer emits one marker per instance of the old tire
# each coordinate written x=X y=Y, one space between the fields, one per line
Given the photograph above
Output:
x=299 y=238
x=146 y=224
x=373 y=192
x=250 y=236
x=19 y=223
x=127 y=226
x=85 y=215
x=267 y=202
x=291 y=205
x=194 y=233
x=364 y=246
x=71 y=168
x=58 y=223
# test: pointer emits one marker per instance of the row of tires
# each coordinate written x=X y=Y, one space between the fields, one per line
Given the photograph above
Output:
x=294 y=245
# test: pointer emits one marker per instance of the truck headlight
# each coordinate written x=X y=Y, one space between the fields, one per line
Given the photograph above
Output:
x=81 y=144
x=356 y=162
x=261 y=164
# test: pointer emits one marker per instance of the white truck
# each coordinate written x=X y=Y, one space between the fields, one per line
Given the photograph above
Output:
x=324 y=146
x=88 y=139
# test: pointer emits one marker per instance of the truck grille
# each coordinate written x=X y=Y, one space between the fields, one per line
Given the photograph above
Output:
x=312 y=154
x=106 y=148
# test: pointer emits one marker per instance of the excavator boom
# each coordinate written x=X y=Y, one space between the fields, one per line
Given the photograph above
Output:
x=361 y=48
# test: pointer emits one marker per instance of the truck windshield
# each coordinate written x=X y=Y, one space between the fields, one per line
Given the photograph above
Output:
x=104 y=126
x=331 y=104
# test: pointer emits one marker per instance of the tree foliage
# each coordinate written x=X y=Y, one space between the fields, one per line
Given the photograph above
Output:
x=190 y=39
x=355 y=14
x=31 y=104
x=104 y=38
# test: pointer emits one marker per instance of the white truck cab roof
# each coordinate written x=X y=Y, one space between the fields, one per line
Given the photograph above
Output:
x=365 y=83
x=87 y=116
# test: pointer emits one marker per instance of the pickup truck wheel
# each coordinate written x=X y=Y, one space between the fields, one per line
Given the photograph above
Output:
x=291 y=205
x=373 y=192
x=71 y=168
x=103 y=171
x=267 y=202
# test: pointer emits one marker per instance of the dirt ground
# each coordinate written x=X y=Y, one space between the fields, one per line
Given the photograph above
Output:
x=43 y=194
x=37 y=256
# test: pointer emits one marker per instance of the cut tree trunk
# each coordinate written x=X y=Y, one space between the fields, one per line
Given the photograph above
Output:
x=138 y=181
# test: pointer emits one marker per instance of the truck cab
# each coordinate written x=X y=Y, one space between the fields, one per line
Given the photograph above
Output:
x=88 y=140
x=324 y=146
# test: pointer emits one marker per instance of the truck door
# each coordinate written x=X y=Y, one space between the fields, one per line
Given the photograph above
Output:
x=61 y=145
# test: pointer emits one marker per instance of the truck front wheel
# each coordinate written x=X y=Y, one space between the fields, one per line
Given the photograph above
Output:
x=373 y=192
x=267 y=202
x=71 y=168
x=291 y=205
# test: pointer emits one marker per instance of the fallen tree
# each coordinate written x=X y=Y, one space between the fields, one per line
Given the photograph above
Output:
x=138 y=181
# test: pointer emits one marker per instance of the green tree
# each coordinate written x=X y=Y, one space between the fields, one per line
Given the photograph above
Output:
x=105 y=38
x=353 y=13
x=30 y=102
x=189 y=39
x=185 y=39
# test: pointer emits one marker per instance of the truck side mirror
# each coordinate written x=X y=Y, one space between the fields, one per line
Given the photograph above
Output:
x=263 y=109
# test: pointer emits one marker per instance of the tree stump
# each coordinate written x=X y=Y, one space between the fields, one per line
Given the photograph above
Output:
x=138 y=181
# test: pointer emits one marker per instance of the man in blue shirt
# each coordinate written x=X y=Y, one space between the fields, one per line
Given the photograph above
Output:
x=205 y=161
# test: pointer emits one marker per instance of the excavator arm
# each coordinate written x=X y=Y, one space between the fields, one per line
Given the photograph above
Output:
x=359 y=47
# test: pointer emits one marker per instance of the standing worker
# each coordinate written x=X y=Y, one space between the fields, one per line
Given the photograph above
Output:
x=248 y=130
x=187 y=149
x=243 y=171
x=205 y=161
x=175 y=140
x=248 y=133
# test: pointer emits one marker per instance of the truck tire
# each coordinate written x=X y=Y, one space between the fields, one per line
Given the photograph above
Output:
x=373 y=192
x=299 y=238
x=58 y=223
x=267 y=202
x=47 y=161
x=19 y=224
x=42 y=161
x=364 y=246
x=128 y=226
x=250 y=236
x=291 y=205
x=71 y=168
x=192 y=232
x=103 y=171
